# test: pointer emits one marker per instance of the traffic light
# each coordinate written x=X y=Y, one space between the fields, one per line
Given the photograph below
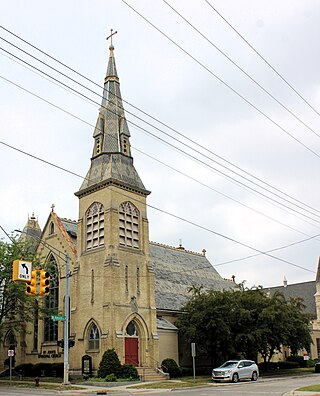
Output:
x=44 y=283
x=32 y=285
x=71 y=343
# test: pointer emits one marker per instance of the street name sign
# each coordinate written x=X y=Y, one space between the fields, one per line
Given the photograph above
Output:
x=21 y=270
x=55 y=318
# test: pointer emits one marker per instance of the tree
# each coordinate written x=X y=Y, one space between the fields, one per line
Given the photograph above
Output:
x=16 y=308
x=110 y=364
x=243 y=322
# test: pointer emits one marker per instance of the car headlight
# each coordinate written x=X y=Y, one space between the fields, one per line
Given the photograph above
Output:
x=227 y=371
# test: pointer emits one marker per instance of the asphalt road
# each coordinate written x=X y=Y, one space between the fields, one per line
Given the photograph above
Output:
x=263 y=387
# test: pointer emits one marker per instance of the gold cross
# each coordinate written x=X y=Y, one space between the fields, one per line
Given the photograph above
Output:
x=110 y=37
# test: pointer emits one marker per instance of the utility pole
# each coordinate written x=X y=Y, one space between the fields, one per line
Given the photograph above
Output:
x=66 y=328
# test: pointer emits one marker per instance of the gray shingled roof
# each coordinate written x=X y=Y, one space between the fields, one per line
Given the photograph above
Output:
x=305 y=290
x=176 y=271
x=71 y=228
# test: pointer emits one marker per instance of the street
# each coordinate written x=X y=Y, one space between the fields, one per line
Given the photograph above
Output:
x=273 y=387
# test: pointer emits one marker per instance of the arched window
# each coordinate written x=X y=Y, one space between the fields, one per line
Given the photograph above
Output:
x=131 y=329
x=94 y=226
x=52 y=301
x=93 y=337
x=10 y=340
x=129 y=225
x=51 y=229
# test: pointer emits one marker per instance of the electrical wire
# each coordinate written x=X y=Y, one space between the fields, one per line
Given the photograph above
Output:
x=242 y=70
x=140 y=151
x=174 y=130
x=185 y=153
x=223 y=82
x=262 y=57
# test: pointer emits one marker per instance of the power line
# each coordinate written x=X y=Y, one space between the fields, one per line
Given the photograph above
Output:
x=180 y=134
x=262 y=57
x=182 y=151
x=268 y=251
x=148 y=155
x=222 y=81
x=168 y=213
x=242 y=70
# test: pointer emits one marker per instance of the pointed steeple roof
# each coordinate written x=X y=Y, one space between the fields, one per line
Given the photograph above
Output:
x=111 y=160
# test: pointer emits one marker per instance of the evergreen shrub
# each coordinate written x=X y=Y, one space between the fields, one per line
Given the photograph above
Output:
x=129 y=371
x=110 y=364
x=25 y=369
x=170 y=366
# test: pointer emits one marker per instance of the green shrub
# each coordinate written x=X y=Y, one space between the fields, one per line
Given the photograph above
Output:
x=170 y=366
x=58 y=369
x=25 y=369
x=298 y=359
x=42 y=369
x=111 y=378
x=110 y=364
x=129 y=371
x=269 y=366
x=288 y=365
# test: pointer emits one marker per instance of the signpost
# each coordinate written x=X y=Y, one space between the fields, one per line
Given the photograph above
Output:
x=193 y=354
x=10 y=354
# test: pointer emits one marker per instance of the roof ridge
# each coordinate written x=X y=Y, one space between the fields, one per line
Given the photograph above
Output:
x=179 y=248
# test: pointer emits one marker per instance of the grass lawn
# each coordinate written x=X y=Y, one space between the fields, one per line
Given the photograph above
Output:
x=310 y=388
x=178 y=383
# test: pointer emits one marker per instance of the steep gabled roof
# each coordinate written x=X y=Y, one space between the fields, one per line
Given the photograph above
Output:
x=176 y=270
x=304 y=290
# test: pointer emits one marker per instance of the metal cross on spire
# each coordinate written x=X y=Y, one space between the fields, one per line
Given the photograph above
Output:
x=110 y=37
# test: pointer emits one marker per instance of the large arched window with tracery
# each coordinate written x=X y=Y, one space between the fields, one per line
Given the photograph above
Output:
x=52 y=301
x=93 y=337
x=94 y=226
x=128 y=225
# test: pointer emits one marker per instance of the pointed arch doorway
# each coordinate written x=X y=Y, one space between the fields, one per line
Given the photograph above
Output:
x=132 y=344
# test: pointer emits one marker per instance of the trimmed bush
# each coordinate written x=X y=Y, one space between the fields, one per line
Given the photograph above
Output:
x=57 y=369
x=25 y=369
x=42 y=369
x=288 y=365
x=110 y=364
x=298 y=359
x=129 y=371
x=111 y=378
x=170 y=366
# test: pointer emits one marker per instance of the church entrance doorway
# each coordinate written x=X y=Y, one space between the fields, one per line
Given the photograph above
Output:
x=132 y=345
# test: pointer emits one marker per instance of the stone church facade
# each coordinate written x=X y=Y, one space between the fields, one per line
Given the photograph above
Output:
x=125 y=291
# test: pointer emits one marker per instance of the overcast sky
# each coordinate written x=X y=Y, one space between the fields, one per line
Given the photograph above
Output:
x=184 y=94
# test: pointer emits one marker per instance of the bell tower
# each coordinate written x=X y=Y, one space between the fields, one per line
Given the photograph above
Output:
x=114 y=281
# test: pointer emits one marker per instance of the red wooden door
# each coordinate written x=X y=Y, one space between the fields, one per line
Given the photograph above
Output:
x=131 y=346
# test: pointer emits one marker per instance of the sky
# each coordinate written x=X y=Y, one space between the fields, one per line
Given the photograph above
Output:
x=211 y=132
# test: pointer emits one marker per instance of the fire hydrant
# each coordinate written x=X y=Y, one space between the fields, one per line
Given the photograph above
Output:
x=37 y=380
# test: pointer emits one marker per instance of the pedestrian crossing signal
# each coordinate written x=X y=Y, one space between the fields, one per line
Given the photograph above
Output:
x=44 y=283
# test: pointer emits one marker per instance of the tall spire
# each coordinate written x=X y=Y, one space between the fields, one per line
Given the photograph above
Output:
x=111 y=158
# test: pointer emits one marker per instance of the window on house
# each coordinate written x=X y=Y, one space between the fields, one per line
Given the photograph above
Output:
x=138 y=280
x=95 y=226
x=126 y=278
x=52 y=301
x=129 y=225
x=93 y=337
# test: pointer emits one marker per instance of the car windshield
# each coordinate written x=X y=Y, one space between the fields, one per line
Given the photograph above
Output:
x=229 y=364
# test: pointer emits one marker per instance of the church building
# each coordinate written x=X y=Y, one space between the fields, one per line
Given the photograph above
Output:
x=125 y=291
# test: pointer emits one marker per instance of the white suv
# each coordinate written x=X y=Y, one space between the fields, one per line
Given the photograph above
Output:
x=236 y=370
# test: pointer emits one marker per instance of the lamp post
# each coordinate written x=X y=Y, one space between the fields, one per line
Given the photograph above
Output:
x=66 y=306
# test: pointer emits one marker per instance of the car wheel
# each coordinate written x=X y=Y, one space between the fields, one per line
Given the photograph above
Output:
x=254 y=376
x=235 y=377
